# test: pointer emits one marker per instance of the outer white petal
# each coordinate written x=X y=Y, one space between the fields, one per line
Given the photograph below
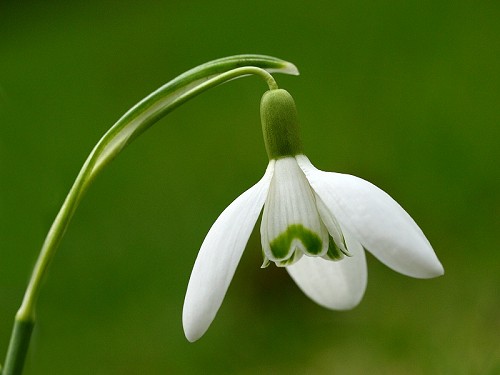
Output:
x=290 y=202
x=219 y=256
x=335 y=285
x=380 y=224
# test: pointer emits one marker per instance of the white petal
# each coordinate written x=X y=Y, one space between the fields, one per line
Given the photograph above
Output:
x=219 y=256
x=290 y=217
x=335 y=285
x=380 y=224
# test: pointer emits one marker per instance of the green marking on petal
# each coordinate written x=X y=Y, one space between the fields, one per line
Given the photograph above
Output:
x=334 y=252
x=293 y=259
x=344 y=248
x=346 y=252
x=281 y=245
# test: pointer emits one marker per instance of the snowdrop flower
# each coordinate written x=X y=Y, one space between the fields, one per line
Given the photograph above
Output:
x=316 y=224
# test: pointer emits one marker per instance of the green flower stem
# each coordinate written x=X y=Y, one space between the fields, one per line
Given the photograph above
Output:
x=18 y=346
x=133 y=123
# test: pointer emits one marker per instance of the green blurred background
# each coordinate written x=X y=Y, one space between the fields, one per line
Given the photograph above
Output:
x=404 y=94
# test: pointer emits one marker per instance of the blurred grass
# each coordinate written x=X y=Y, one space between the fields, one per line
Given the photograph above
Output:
x=404 y=94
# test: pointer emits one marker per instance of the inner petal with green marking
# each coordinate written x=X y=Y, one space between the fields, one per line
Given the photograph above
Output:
x=296 y=236
x=291 y=225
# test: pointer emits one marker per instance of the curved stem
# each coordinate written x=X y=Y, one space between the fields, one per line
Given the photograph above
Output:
x=133 y=123
x=120 y=135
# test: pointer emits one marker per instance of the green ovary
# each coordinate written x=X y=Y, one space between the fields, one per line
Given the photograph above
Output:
x=280 y=246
